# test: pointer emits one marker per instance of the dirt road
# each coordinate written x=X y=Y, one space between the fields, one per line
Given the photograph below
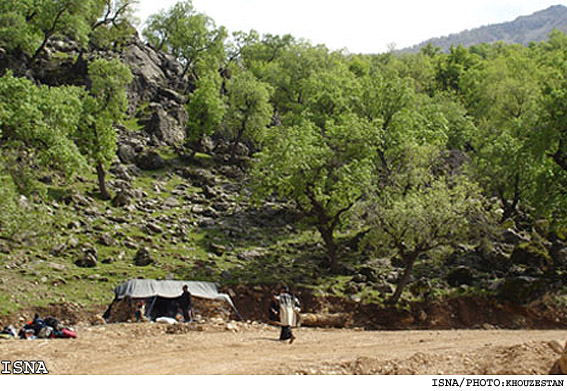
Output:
x=254 y=349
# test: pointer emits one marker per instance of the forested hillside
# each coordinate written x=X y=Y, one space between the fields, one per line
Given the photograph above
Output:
x=249 y=159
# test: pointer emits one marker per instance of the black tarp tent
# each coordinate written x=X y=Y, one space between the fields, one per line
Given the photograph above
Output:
x=161 y=295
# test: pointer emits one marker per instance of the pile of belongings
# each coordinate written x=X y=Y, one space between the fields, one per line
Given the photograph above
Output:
x=39 y=328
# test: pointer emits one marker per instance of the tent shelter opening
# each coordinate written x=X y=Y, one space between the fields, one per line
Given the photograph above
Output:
x=160 y=298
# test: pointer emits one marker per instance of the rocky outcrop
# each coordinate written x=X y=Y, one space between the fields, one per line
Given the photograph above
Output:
x=159 y=87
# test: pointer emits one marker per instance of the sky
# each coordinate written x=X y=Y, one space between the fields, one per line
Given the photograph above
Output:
x=359 y=26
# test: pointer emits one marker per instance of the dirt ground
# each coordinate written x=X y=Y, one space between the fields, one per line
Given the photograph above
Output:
x=254 y=349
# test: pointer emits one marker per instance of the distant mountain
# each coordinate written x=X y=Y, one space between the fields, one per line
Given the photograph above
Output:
x=523 y=30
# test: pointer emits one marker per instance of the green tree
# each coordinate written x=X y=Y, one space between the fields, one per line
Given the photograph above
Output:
x=103 y=108
x=187 y=35
x=503 y=98
x=42 y=121
x=413 y=221
x=326 y=173
x=206 y=107
x=112 y=22
x=249 y=111
x=66 y=17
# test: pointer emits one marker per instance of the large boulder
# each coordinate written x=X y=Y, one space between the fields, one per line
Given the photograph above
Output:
x=166 y=122
x=143 y=257
x=150 y=160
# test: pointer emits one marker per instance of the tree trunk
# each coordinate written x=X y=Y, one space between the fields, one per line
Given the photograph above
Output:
x=327 y=235
x=101 y=174
x=404 y=281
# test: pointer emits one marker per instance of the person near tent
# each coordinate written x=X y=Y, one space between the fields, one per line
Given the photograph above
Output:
x=289 y=314
x=185 y=304
x=140 y=311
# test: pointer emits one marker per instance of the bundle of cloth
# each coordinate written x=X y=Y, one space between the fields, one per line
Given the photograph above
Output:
x=45 y=328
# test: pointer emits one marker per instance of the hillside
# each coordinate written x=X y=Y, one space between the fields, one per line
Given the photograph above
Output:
x=393 y=191
x=523 y=30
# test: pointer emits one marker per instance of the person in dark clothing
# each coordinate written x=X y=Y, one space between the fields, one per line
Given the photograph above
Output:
x=185 y=304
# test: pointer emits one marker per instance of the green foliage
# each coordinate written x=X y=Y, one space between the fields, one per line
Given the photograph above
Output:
x=43 y=119
x=206 y=107
x=114 y=22
x=103 y=108
x=249 y=111
x=187 y=35
x=427 y=216
x=325 y=172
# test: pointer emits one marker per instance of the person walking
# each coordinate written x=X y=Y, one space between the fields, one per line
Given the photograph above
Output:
x=289 y=314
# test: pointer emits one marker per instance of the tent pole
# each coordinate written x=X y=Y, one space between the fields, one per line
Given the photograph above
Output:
x=149 y=310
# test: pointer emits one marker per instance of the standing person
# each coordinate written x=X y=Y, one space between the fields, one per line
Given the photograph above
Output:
x=289 y=314
x=185 y=304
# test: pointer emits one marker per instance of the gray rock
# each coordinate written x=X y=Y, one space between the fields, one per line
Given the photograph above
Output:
x=88 y=261
x=59 y=249
x=121 y=199
x=56 y=266
x=152 y=227
x=217 y=249
x=167 y=123
x=171 y=202
x=150 y=160
x=143 y=257
x=106 y=240
x=249 y=255
x=127 y=154
x=73 y=242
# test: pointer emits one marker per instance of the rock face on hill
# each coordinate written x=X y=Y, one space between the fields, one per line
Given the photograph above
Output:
x=523 y=30
x=158 y=87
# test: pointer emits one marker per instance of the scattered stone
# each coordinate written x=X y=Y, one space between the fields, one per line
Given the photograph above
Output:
x=130 y=244
x=143 y=257
x=59 y=249
x=249 y=255
x=87 y=261
x=74 y=225
x=106 y=240
x=171 y=202
x=152 y=227
x=73 y=242
x=210 y=192
x=56 y=266
x=121 y=199
x=217 y=249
